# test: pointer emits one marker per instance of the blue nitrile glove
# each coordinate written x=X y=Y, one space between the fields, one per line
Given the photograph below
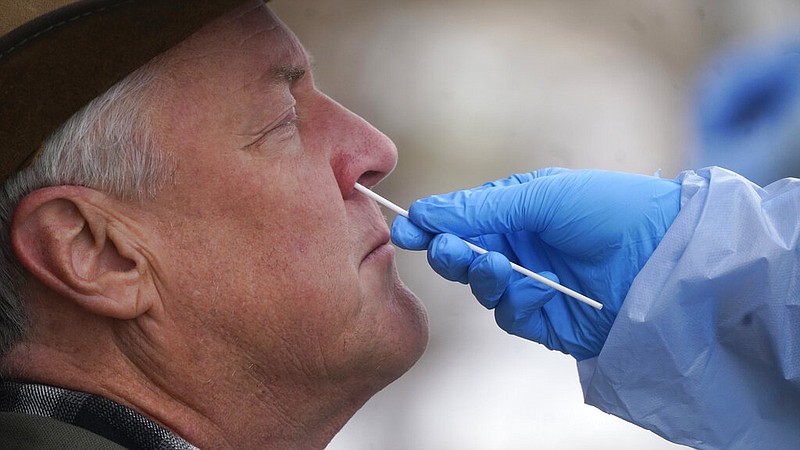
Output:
x=747 y=111
x=594 y=229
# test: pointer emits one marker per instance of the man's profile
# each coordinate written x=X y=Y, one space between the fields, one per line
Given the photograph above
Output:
x=186 y=261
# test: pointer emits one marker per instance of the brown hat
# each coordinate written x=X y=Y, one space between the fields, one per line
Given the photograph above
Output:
x=58 y=55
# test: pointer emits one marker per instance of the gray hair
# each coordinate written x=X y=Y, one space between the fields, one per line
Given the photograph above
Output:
x=109 y=146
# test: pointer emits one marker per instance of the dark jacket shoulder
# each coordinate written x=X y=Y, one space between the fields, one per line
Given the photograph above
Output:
x=28 y=432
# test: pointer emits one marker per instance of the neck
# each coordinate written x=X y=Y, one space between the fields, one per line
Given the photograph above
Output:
x=247 y=409
x=209 y=404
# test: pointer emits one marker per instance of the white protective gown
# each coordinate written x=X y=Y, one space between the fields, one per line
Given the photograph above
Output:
x=706 y=349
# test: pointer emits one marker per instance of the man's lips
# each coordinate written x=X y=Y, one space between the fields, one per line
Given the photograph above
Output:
x=378 y=237
x=383 y=238
x=379 y=241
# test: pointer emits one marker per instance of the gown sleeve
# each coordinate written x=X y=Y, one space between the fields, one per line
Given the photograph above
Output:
x=705 y=351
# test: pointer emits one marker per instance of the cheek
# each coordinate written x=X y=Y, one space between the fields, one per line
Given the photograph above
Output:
x=276 y=247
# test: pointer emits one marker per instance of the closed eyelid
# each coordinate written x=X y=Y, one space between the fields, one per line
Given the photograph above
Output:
x=289 y=117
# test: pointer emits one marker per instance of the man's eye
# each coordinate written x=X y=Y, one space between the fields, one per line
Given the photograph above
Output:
x=290 y=120
x=283 y=129
x=287 y=124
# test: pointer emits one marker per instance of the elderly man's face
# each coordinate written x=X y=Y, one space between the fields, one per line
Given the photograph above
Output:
x=262 y=245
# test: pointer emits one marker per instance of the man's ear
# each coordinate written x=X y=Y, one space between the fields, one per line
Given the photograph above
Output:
x=63 y=236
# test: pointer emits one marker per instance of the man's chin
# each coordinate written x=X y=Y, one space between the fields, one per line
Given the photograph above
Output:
x=412 y=322
x=398 y=325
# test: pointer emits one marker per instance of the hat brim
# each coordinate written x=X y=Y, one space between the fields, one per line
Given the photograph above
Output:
x=54 y=65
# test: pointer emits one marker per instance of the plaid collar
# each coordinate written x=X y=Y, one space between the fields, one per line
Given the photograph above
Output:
x=99 y=415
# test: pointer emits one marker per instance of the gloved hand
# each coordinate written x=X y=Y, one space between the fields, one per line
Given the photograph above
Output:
x=747 y=111
x=594 y=229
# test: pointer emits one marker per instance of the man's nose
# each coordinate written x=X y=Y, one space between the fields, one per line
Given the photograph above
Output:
x=359 y=151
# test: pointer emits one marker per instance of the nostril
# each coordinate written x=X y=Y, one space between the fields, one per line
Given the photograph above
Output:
x=370 y=178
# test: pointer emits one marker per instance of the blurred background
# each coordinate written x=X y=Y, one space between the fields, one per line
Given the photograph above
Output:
x=472 y=91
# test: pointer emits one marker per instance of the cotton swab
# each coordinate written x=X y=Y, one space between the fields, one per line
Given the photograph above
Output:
x=546 y=281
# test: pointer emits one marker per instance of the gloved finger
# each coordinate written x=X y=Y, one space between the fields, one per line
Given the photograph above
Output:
x=519 y=311
x=530 y=206
x=521 y=178
x=488 y=277
x=408 y=236
x=580 y=213
x=475 y=212
x=450 y=257
x=489 y=209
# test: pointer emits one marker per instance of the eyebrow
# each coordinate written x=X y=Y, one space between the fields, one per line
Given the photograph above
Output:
x=289 y=74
